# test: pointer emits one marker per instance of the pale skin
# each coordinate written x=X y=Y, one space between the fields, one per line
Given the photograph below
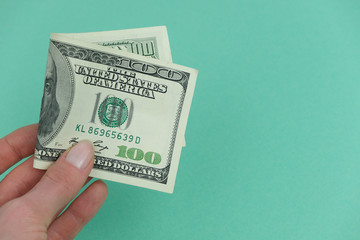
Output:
x=32 y=199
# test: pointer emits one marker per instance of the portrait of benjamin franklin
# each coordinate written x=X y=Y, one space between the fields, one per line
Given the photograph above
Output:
x=50 y=106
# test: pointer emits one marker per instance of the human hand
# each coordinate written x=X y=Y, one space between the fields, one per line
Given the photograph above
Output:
x=32 y=199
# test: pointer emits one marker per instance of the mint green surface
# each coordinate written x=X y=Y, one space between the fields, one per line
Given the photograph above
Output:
x=274 y=129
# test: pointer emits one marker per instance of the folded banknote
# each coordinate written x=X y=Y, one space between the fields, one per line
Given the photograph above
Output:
x=119 y=90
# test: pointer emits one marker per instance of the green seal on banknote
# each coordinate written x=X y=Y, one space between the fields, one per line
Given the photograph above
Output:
x=113 y=112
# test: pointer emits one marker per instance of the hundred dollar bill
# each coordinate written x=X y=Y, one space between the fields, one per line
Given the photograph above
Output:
x=133 y=108
x=151 y=42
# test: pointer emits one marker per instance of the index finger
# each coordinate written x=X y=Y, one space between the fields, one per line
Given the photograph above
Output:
x=17 y=145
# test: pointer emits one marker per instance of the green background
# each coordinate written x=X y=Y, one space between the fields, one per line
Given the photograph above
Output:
x=273 y=133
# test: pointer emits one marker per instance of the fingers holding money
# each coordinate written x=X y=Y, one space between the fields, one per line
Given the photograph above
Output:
x=62 y=181
x=80 y=212
x=19 y=181
x=17 y=145
x=31 y=199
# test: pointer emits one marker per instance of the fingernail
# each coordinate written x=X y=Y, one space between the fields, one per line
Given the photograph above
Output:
x=81 y=154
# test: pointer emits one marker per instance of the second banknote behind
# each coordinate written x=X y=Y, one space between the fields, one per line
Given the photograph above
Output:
x=133 y=108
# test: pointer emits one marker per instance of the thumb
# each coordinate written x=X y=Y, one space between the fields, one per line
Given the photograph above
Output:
x=62 y=181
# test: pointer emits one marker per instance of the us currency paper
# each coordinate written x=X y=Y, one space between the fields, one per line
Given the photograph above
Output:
x=151 y=42
x=133 y=108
